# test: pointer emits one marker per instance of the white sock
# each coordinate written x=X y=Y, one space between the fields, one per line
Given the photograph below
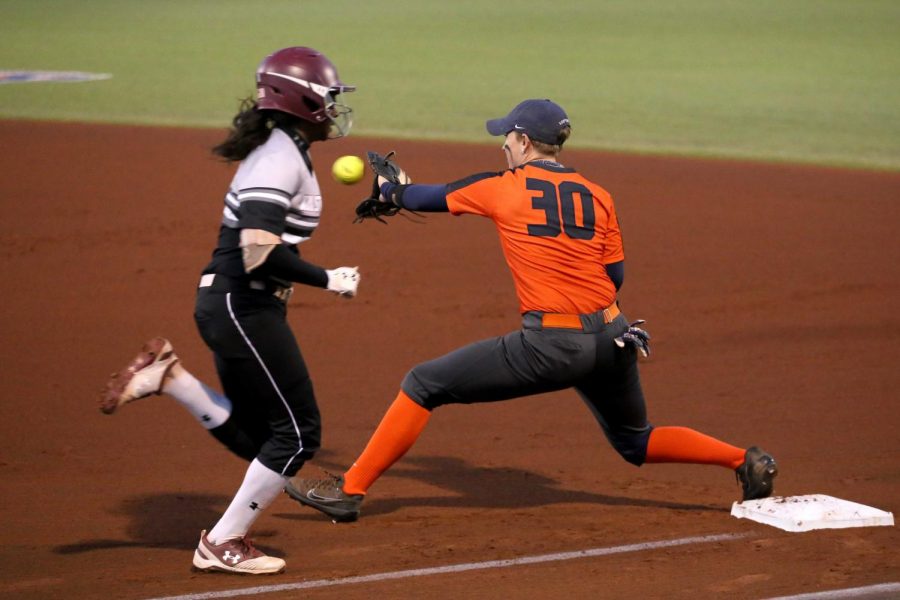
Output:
x=209 y=407
x=261 y=486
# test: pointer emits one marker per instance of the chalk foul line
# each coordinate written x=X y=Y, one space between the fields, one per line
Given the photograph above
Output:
x=459 y=568
x=877 y=590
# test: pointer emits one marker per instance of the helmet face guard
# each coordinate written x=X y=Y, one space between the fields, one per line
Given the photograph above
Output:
x=303 y=82
x=340 y=114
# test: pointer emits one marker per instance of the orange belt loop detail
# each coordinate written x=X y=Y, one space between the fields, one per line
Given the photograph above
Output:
x=564 y=321
x=561 y=320
x=610 y=313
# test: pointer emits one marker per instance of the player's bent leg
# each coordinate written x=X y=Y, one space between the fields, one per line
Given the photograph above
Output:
x=157 y=370
x=485 y=371
x=616 y=400
x=478 y=372
x=630 y=443
x=754 y=468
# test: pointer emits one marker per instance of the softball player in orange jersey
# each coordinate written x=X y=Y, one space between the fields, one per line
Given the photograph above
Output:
x=561 y=240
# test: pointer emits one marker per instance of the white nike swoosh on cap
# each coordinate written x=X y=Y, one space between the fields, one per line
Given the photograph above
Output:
x=517 y=126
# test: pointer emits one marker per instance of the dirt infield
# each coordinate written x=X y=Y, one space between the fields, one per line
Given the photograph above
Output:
x=772 y=293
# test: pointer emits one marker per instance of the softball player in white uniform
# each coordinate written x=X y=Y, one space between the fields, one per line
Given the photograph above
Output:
x=268 y=413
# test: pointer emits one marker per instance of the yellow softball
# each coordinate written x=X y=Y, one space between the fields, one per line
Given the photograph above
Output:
x=348 y=169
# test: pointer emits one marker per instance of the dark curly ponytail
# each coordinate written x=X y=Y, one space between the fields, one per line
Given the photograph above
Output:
x=250 y=128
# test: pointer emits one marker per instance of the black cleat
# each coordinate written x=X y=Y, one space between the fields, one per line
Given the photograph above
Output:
x=757 y=473
x=326 y=496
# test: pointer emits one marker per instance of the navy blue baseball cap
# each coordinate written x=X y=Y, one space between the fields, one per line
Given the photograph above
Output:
x=541 y=120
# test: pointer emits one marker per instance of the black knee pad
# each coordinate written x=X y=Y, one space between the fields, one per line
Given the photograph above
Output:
x=631 y=445
x=298 y=462
x=236 y=440
x=414 y=387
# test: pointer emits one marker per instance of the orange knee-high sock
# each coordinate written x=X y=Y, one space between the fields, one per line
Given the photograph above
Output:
x=397 y=432
x=684 y=445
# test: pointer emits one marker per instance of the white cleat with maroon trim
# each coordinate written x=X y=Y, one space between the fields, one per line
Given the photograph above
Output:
x=234 y=556
x=142 y=377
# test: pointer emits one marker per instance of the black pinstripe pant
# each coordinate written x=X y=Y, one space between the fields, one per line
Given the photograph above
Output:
x=275 y=417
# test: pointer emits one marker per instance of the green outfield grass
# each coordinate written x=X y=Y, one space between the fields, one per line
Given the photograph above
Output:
x=802 y=80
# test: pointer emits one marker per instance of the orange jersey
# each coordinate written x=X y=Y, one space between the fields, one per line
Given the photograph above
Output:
x=557 y=229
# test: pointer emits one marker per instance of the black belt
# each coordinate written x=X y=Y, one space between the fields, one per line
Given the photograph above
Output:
x=221 y=283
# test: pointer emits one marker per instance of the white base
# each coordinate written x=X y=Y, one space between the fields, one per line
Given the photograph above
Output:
x=805 y=513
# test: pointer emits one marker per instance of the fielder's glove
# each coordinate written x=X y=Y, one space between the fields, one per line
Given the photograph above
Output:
x=635 y=336
x=377 y=206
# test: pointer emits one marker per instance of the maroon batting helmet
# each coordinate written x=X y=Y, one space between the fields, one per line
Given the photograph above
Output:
x=303 y=82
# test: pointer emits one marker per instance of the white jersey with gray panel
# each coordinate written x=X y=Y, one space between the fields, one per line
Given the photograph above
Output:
x=274 y=189
x=277 y=173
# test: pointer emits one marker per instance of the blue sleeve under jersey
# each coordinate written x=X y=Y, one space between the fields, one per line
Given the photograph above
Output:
x=423 y=198
x=616 y=272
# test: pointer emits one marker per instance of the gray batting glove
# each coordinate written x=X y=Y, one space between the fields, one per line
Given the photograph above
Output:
x=635 y=336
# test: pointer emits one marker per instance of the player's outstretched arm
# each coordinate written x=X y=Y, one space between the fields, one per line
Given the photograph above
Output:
x=417 y=197
x=393 y=191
